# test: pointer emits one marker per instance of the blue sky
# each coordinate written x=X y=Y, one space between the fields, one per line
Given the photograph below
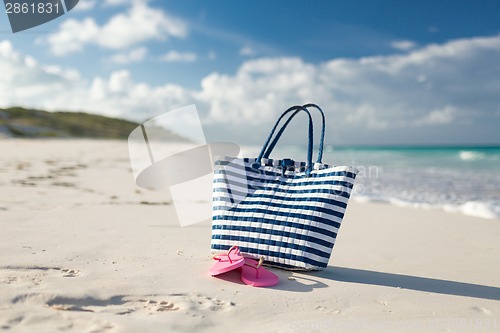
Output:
x=386 y=72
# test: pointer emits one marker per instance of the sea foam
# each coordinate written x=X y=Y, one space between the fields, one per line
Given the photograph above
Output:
x=486 y=210
x=466 y=155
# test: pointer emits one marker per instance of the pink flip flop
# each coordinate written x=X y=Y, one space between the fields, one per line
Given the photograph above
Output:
x=254 y=275
x=227 y=262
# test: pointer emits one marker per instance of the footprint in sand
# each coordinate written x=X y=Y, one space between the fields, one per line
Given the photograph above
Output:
x=190 y=305
x=158 y=306
x=63 y=184
x=481 y=310
x=33 y=275
x=67 y=272
x=118 y=305
x=38 y=178
x=23 y=165
x=324 y=309
x=67 y=171
x=124 y=305
x=208 y=303
x=22 y=182
x=9 y=323
x=62 y=323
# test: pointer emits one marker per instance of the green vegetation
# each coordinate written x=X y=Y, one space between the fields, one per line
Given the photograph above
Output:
x=26 y=123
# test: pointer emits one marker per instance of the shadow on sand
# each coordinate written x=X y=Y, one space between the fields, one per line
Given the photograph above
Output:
x=308 y=281
x=447 y=287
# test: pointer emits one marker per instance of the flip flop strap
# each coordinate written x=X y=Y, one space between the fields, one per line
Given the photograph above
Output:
x=261 y=261
x=231 y=249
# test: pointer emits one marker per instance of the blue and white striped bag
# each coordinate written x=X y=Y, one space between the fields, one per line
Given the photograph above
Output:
x=285 y=211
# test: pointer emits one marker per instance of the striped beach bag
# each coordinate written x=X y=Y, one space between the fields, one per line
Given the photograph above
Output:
x=285 y=211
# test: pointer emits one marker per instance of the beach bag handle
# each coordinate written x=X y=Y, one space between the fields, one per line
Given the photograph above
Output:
x=322 y=138
x=297 y=108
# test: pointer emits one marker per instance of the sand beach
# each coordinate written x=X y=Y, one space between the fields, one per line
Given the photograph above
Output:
x=83 y=249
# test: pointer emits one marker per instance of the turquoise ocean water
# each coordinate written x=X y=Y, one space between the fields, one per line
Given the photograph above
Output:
x=458 y=179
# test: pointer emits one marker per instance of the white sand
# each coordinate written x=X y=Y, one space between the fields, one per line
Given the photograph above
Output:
x=82 y=249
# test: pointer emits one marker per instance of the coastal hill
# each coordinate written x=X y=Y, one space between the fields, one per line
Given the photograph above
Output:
x=19 y=122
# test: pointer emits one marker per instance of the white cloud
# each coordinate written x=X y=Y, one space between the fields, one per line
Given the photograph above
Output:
x=439 y=117
x=7 y=50
x=73 y=35
x=134 y=55
x=57 y=71
x=427 y=94
x=247 y=51
x=140 y=23
x=453 y=84
x=175 y=56
x=84 y=5
x=403 y=45
x=366 y=114
x=25 y=83
x=259 y=89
